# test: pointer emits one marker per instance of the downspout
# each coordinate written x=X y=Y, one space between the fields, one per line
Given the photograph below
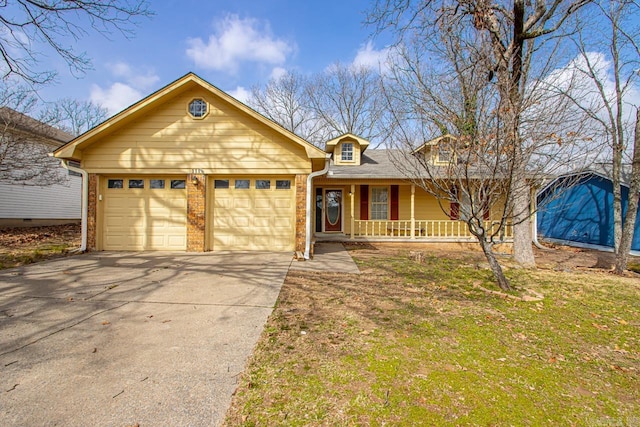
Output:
x=85 y=200
x=307 y=246
x=534 y=232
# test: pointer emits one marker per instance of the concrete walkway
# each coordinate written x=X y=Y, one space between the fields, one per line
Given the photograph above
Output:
x=117 y=339
x=328 y=257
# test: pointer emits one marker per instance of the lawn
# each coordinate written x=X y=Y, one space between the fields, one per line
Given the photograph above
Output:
x=418 y=341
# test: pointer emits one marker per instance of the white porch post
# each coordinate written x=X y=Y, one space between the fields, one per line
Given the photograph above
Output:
x=352 y=196
x=413 y=216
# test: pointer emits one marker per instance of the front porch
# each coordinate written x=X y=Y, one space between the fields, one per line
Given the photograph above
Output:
x=415 y=230
x=401 y=212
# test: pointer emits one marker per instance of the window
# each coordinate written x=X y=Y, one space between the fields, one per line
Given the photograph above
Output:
x=198 y=108
x=156 y=184
x=221 y=183
x=284 y=184
x=263 y=184
x=379 y=203
x=178 y=184
x=136 y=183
x=347 y=151
x=444 y=154
x=114 y=183
x=242 y=184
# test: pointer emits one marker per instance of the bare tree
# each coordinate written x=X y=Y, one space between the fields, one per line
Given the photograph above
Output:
x=29 y=28
x=284 y=100
x=26 y=142
x=347 y=99
x=450 y=99
x=73 y=116
x=606 y=75
x=514 y=33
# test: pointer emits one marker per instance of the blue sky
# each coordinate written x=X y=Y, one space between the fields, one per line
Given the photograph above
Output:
x=232 y=44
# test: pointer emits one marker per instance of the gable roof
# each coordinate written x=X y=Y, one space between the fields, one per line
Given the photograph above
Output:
x=364 y=143
x=16 y=120
x=434 y=141
x=72 y=150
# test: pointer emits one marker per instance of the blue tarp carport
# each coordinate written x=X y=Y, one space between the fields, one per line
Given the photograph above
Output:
x=578 y=208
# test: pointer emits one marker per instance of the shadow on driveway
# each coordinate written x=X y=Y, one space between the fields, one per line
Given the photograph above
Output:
x=121 y=338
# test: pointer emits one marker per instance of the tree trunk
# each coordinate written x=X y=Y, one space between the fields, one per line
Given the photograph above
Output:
x=522 y=236
x=494 y=265
x=632 y=207
x=616 y=180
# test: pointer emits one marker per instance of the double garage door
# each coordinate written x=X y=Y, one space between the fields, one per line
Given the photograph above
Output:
x=243 y=213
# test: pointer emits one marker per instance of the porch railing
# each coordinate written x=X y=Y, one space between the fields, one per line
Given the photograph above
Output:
x=445 y=229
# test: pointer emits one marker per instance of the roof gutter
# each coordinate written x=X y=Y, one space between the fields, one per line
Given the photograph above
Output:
x=85 y=200
x=307 y=246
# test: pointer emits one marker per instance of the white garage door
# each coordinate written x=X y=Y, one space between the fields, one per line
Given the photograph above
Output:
x=253 y=213
x=144 y=213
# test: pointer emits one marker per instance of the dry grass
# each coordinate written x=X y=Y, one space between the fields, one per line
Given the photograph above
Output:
x=21 y=246
x=415 y=343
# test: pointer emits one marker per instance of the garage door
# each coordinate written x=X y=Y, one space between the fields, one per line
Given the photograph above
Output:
x=253 y=214
x=144 y=213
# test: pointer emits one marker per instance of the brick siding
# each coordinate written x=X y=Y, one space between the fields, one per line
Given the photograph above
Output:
x=196 y=208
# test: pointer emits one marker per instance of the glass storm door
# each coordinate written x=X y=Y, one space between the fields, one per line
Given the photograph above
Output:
x=333 y=210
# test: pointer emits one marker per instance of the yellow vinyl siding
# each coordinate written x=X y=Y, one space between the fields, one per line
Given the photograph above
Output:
x=168 y=140
x=426 y=206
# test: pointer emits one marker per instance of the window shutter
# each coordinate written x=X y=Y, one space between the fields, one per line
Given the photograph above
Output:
x=395 y=191
x=454 y=207
x=364 y=202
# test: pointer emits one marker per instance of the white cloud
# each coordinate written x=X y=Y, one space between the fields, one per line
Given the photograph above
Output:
x=240 y=93
x=369 y=57
x=115 y=98
x=139 y=78
x=277 y=73
x=235 y=41
x=131 y=86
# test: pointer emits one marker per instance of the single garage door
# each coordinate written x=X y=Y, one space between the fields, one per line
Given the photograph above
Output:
x=144 y=213
x=253 y=213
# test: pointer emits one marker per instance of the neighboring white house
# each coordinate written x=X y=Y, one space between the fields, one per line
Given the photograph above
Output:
x=34 y=188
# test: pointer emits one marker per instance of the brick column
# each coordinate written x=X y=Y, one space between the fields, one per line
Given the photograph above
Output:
x=196 y=207
x=301 y=210
x=92 y=212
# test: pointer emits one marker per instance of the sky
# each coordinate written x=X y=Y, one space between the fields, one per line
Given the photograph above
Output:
x=234 y=45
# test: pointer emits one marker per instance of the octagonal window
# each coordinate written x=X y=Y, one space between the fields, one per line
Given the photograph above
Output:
x=198 y=108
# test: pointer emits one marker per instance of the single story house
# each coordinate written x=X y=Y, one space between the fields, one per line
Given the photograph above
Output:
x=577 y=209
x=34 y=188
x=190 y=168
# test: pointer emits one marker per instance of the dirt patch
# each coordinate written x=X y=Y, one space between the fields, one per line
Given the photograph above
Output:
x=556 y=257
x=20 y=246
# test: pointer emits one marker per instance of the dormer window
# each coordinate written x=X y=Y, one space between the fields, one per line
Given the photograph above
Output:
x=444 y=154
x=347 y=152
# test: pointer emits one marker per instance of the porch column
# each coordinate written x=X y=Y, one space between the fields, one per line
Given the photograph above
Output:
x=352 y=195
x=413 y=216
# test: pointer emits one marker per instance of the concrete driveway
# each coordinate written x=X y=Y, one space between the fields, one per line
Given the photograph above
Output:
x=115 y=339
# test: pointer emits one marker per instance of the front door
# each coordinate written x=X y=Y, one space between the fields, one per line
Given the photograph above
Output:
x=333 y=210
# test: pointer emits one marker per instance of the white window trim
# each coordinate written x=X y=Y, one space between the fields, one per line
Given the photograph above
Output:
x=343 y=152
x=371 y=202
